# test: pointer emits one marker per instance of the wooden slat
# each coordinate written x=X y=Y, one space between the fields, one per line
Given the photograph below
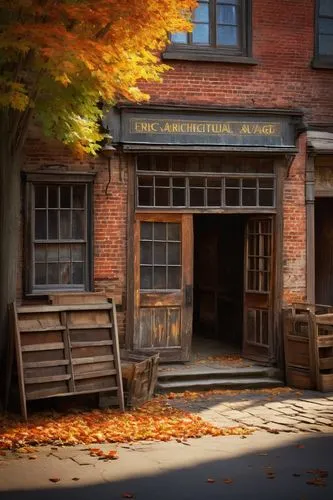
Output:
x=44 y=380
x=43 y=347
x=325 y=341
x=19 y=361
x=326 y=363
x=92 y=359
x=44 y=394
x=115 y=339
x=44 y=309
x=89 y=326
x=98 y=343
x=45 y=364
x=102 y=373
x=55 y=328
x=68 y=351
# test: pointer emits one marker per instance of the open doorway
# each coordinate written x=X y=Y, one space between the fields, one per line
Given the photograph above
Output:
x=324 y=250
x=218 y=283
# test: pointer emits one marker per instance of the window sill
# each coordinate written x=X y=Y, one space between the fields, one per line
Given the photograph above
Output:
x=207 y=56
x=322 y=63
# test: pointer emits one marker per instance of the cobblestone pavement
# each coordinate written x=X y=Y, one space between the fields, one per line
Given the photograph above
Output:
x=290 y=411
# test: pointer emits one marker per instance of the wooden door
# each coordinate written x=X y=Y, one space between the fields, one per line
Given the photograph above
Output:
x=163 y=270
x=258 y=288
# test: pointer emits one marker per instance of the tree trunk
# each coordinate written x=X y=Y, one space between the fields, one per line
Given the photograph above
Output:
x=9 y=234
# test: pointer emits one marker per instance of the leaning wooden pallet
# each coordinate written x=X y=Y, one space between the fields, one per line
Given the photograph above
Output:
x=63 y=350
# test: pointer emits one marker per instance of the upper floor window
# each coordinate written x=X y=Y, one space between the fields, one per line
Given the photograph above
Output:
x=324 y=34
x=221 y=31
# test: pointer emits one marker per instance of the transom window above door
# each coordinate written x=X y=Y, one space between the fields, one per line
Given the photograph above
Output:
x=58 y=236
x=221 y=28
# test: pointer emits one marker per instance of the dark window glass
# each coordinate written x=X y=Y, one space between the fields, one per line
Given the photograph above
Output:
x=60 y=220
x=222 y=25
x=324 y=28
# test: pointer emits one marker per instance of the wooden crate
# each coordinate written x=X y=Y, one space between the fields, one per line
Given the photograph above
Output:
x=324 y=352
x=64 y=350
x=139 y=372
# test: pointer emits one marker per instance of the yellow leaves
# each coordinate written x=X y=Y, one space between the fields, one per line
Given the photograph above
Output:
x=156 y=420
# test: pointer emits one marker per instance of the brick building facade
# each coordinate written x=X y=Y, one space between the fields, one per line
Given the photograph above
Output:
x=204 y=222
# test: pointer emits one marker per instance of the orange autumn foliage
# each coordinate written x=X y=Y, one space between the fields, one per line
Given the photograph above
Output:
x=62 y=58
x=156 y=420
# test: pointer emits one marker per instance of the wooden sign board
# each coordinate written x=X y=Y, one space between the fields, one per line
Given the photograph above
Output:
x=63 y=350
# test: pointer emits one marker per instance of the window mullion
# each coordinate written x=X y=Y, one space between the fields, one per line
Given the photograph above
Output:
x=212 y=23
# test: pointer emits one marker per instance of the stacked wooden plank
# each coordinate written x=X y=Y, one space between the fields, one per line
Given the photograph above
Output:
x=308 y=344
x=64 y=350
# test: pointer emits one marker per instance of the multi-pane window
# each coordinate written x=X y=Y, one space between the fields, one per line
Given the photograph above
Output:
x=221 y=25
x=160 y=256
x=324 y=31
x=259 y=255
x=163 y=183
x=59 y=231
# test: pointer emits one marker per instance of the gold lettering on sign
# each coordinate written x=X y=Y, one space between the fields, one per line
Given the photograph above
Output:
x=198 y=127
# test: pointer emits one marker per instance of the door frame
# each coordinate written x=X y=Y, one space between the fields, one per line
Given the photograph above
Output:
x=276 y=349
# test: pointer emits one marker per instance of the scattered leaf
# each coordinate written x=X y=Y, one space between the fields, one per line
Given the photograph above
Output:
x=210 y=480
x=128 y=495
x=2 y=453
x=227 y=481
x=33 y=457
x=54 y=479
x=296 y=474
x=299 y=445
x=75 y=479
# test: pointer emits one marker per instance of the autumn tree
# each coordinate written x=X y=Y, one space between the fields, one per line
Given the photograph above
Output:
x=59 y=60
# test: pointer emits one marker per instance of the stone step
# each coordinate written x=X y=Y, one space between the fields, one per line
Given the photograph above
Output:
x=206 y=384
x=215 y=373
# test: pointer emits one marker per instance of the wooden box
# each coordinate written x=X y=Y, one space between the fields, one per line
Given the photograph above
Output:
x=139 y=372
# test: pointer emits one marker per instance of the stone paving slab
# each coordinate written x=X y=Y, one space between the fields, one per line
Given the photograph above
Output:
x=297 y=411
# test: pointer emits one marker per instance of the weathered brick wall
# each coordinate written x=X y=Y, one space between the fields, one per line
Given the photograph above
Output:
x=294 y=229
x=283 y=40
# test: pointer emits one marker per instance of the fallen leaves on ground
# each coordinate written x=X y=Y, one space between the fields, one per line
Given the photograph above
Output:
x=188 y=395
x=156 y=420
x=105 y=455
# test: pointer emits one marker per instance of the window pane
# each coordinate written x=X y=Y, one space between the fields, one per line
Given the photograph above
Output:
x=232 y=197
x=200 y=34
x=266 y=183
x=64 y=253
x=326 y=26
x=174 y=253
x=146 y=281
x=53 y=224
x=146 y=230
x=201 y=13
x=173 y=232
x=249 y=197
x=40 y=253
x=178 y=181
x=178 y=198
x=214 y=197
x=226 y=14
x=40 y=196
x=53 y=274
x=65 y=197
x=77 y=252
x=180 y=37
x=65 y=273
x=174 y=278
x=52 y=253
x=325 y=8
x=146 y=254
x=266 y=198
x=78 y=225
x=197 y=197
x=227 y=35
x=40 y=224
x=40 y=274
x=162 y=197
x=326 y=45
x=78 y=196
x=53 y=196
x=160 y=278
x=160 y=231
x=77 y=271
x=146 y=198
x=65 y=225
x=159 y=253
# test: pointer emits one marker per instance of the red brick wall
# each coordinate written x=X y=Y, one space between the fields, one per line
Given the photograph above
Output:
x=283 y=41
x=294 y=229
